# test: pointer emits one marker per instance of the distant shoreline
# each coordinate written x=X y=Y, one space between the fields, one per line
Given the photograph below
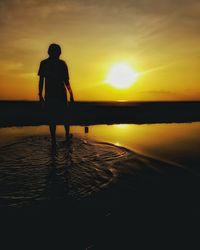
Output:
x=24 y=113
x=106 y=102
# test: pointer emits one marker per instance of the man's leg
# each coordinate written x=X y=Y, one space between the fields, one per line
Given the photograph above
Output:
x=52 y=129
x=67 y=129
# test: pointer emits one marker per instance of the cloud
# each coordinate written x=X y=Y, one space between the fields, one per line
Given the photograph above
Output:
x=28 y=26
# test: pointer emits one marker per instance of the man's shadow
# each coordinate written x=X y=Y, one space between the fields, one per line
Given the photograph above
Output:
x=59 y=175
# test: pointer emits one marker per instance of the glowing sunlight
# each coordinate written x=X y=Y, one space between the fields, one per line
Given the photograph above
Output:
x=121 y=76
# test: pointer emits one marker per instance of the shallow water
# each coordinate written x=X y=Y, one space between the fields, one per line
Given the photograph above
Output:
x=176 y=143
x=33 y=172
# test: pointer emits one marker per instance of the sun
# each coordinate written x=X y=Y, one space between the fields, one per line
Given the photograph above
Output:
x=121 y=76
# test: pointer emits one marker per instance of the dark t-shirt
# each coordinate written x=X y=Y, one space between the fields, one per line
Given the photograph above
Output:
x=56 y=74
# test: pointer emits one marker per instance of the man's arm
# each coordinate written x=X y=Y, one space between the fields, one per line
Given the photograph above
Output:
x=67 y=83
x=41 y=84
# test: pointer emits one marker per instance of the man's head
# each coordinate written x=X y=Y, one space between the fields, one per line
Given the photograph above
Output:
x=54 y=50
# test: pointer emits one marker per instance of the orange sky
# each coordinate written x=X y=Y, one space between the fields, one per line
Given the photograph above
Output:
x=159 y=39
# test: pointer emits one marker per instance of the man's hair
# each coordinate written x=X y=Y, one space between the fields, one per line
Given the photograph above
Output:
x=54 y=50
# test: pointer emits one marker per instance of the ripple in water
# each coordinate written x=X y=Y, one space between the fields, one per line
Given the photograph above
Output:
x=31 y=171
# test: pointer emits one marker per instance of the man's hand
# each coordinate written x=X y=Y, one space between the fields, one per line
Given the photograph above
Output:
x=41 y=99
x=71 y=99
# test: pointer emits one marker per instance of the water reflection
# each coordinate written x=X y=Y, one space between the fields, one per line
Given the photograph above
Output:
x=58 y=178
x=177 y=143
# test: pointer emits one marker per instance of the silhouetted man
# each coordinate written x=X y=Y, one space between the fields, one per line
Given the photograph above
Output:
x=54 y=73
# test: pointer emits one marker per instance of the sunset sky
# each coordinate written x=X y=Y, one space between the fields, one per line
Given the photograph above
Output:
x=158 y=39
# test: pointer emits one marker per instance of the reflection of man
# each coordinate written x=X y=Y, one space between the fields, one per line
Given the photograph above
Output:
x=55 y=73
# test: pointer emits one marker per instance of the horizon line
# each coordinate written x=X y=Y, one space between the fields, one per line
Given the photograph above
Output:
x=103 y=101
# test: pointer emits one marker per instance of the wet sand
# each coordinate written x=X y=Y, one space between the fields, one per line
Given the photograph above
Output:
x=89 y=195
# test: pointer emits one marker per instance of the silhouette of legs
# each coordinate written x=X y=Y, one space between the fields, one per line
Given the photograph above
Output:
x=67 y=134
x=66 y=131
x=52 y=129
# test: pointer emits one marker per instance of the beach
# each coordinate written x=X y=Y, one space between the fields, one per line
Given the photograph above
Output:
x=93 y=193
x=100 y=124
